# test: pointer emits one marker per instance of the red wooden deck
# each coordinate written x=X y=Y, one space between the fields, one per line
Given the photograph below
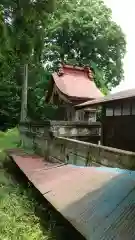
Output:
x=99 y=203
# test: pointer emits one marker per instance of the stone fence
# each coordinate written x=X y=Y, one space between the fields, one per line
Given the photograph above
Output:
x=76 y=130
x=73 y=151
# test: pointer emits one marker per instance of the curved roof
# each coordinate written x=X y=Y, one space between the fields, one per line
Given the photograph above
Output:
x=76 y=82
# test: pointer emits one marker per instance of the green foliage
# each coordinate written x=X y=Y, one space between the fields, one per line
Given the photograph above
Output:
x=22 y=28
x=17 y=211
x=38 y=82
x=9 y=139
x=83 y=33
x=28 y=21
x=79 y=32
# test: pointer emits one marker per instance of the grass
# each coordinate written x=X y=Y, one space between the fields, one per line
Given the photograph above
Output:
x=24 y=213
x=9 y=139
x=18 y=219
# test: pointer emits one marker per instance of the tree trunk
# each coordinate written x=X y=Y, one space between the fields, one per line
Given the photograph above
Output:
x=24 y=94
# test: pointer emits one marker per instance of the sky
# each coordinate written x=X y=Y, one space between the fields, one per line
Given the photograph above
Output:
x=123 y=12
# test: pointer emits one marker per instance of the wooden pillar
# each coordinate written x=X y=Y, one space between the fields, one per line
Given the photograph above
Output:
x=103 y=114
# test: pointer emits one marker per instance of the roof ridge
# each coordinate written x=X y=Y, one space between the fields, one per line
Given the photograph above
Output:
x=87 y=70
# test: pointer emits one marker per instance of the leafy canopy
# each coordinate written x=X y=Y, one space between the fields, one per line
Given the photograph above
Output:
x=79 y=32
x=82 y=32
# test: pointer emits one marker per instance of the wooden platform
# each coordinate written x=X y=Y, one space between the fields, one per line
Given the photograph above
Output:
x=98 y=202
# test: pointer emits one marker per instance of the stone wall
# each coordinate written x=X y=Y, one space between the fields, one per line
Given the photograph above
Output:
x=90 y=131
x=88 y=154
x=41 y=140
x=76 y=129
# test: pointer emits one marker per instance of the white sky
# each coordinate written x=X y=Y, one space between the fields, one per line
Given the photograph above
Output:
x=124 y=14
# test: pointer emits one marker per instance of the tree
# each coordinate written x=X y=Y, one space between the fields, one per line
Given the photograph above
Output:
x=79 y=32
x=8 y=89
x=82 y=32
x=27 y=20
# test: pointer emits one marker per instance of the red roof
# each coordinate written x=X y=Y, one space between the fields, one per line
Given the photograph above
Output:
x=76 y=82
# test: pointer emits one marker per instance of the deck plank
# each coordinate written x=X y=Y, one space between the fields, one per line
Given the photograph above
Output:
x=99 y=204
